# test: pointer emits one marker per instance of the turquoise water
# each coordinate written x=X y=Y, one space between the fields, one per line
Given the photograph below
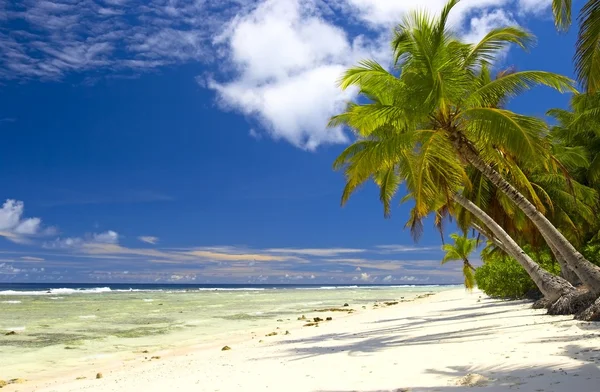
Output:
x=61 y=329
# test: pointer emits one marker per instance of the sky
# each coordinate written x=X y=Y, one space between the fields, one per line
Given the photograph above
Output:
x=184 y=141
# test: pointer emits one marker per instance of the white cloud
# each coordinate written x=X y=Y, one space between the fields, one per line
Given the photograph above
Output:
x=31 y=258
x=481 y=25
x=59 y=37
x=314 y=251
x=388 y=278
x=385 y=13
x=408 y=278
x=148 y=239
x=534 y=6
x=388 y=249
x=364 y=276
x=288 y=59
x=13 y=226
x=109 y=237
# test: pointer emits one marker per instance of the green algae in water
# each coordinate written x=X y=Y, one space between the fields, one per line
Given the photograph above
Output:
x=41 y=340
x=148 y=320
x=141 y=332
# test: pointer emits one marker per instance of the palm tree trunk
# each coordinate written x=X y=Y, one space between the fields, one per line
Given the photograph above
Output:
x=565 y=271
x=552 y=286
x=490 y=237
x=585 y=270
x=469 y=265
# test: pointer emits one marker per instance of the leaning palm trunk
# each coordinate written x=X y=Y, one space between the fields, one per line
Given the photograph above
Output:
x=552 y=287
x=592 y=313
x=585 y=270
x=565 y=271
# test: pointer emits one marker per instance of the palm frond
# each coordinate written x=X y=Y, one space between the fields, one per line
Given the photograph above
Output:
x=486 y=50
x=469 y=277
x=587 y=52
x=562 y=14
x=388 y=182
x=516 y=83
x=520 y=135
x=368 y=74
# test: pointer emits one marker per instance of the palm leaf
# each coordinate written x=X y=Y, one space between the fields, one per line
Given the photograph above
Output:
x=562 y=13
x=486 y=50
x=388 y=182
x=520 y=135
x=513 y=84
x=469 y=277
x=587 y=54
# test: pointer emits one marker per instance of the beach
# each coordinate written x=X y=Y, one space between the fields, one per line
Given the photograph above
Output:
x=452 y=340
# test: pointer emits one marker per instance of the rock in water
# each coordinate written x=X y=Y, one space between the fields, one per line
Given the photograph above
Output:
x=329 y=318
x=10 y=333
x=346 y=305
x=3 y=383
x=226 y=348
x=99 y=375
x=317 y=319
x=287 y=332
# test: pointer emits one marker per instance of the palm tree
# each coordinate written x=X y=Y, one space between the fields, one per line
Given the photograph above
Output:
x=434 y=180
x=568 y=203
x=461 y=250
x=442 y=100
x=587 y=52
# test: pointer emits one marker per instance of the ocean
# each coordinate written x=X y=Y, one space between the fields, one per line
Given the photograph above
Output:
x=50 y=328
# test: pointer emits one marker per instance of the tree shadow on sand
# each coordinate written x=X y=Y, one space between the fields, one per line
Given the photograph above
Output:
x=584 y=377
x=457 y=329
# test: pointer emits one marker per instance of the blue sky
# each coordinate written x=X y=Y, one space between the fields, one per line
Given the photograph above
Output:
x=184 y=141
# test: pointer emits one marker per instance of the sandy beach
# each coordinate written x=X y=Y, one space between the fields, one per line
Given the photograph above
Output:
x=451 y=341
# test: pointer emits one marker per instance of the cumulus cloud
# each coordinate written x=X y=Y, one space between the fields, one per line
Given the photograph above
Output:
x=288 y=59
x=109 y=237
x=364 y=276
x=388 y=278
x=148 y=239
x=384 y=14
x=12 y=224
x=481 y=25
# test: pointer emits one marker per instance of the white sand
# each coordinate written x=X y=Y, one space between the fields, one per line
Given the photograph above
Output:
x=449 y=342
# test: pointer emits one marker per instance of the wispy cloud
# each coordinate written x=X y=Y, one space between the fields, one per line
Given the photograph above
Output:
x=148 y=239
x=315 y=251
x=63 y=37
x=387 y=249
x=31 y=258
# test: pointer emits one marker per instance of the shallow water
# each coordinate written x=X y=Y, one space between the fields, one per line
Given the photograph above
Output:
x=61 y=328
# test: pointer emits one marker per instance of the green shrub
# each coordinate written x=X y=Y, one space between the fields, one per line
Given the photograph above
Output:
x=592 y=252
x=502 y=276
